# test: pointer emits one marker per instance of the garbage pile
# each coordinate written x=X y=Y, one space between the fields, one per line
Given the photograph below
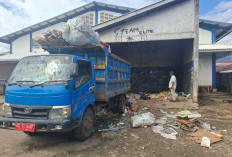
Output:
x=75 y=32
x=167 y=125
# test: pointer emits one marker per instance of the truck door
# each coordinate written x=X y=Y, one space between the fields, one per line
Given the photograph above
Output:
x=84 y=85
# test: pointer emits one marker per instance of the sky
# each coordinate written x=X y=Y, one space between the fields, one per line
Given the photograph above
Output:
x=18 y=14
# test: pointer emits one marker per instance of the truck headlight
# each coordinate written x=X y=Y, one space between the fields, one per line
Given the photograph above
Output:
x=59 y=113
x=6 y=109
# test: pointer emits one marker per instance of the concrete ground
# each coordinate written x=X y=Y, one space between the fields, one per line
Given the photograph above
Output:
x=129 y=142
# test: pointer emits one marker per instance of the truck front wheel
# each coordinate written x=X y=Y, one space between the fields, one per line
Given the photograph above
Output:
x=84 y=131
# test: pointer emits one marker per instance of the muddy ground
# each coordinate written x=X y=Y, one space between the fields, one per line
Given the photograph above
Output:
x=129 y=142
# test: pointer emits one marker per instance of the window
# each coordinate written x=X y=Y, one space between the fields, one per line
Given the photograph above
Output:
x=83 y=73
x=105 y=16
x=88 y=18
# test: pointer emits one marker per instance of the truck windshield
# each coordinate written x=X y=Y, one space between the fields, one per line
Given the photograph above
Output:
x=42 y=69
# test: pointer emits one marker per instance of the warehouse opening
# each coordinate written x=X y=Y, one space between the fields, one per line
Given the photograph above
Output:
x=153 y=60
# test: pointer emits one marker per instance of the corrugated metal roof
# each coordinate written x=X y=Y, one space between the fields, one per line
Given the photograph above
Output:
x=214 y=47
x=14 y=57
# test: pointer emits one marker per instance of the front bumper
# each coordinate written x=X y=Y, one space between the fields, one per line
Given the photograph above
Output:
x=40 y=125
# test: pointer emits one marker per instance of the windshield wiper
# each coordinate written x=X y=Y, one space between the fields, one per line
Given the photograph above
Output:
x=41 y=84
x=15 y=83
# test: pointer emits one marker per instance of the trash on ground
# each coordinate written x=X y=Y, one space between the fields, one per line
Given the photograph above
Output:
x=205 y=126
x=160 y=121
x=135 y=136
x=189 y=114
x=143 y=119
x=212 y=135
x=113 y=129
x=187 y=124
x=168 y=132
x=205 y=142
x=134 y=107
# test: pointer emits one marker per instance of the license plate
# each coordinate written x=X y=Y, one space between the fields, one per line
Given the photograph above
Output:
x=25 y=127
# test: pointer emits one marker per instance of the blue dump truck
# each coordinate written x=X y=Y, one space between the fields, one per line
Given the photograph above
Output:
x=63 y=91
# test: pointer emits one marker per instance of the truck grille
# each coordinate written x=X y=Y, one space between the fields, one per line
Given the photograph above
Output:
x=30 y=112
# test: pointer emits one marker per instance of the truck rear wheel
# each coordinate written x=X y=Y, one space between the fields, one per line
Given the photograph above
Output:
x=84 y=131
x=121 y=104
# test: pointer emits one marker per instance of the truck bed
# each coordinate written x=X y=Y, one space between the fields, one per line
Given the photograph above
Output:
x=112 y=73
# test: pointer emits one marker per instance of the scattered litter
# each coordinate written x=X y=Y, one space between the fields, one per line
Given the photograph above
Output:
x=205 y=142
x=160 y=121
x=214 y=128
x=212 y=135
x=143 y=119
x=168 y=133
x=187 y=124
x=113 y=129
x=205 y=126
x=134 y=107
x=135 y=136
x=224 y=130
x=189 y=114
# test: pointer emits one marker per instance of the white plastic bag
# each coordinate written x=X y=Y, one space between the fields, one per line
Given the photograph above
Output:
x=168 y=133
x=143 y=119
x=78 y=32
x=205 y=142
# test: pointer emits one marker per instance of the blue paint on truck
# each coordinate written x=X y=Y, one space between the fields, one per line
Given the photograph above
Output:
x=58 y=92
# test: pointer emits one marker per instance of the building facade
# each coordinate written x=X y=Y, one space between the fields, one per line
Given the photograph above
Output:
x=155 y=39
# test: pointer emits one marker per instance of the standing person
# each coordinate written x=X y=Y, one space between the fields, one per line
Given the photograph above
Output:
x=172 y=86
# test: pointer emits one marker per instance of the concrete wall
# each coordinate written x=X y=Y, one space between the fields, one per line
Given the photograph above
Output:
x=205 y=69
x=21 y=45
x=176 y=22
x=205 y=36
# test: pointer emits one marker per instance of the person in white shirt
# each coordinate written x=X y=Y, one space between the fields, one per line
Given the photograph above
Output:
x=172 y=86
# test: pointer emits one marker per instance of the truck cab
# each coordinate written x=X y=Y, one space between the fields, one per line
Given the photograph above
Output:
x=49 y=93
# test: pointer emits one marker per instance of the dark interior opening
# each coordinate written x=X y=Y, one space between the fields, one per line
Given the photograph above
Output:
x=153 y=60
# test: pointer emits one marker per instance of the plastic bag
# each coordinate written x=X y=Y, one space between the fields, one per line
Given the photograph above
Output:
x=205 y=142
x=78 y=32
x=168 y=133
x=143 y=119
x=205 y=126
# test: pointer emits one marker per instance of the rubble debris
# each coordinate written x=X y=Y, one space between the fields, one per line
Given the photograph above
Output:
x=143 y=119
x=168 y=132
x=187 y=124
x=212 y=135
x=205 y=142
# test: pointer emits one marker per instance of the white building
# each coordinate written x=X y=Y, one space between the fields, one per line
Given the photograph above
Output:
x=155 y=39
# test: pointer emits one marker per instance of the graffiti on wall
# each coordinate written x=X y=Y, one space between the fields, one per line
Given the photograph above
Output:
x=129 y=34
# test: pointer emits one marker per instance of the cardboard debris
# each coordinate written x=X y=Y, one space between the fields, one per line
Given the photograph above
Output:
x=51 y=38
x=187 y=124
x=212 y=135
x=134 y=107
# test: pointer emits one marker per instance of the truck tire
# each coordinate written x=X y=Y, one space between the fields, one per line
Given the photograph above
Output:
x=121 y=104
x=84 y=131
